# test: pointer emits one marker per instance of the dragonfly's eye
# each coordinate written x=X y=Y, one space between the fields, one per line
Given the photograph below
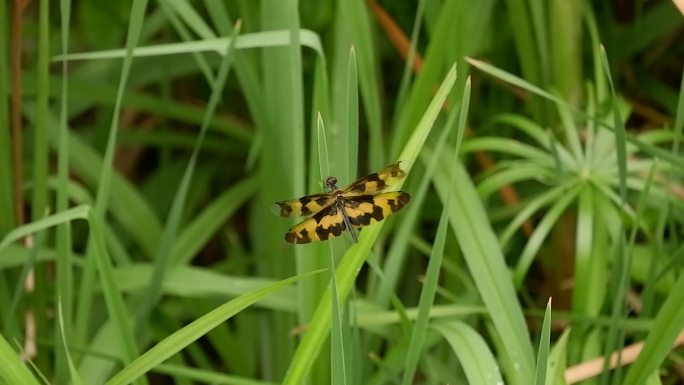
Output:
x=331 y=182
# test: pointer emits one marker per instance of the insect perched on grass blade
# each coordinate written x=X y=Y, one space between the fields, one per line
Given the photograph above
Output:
x=357 y=205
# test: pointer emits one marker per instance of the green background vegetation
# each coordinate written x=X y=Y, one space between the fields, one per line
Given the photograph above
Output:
x=541 y=140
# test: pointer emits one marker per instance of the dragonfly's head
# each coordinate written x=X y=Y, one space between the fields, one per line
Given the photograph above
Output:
x=331 y=183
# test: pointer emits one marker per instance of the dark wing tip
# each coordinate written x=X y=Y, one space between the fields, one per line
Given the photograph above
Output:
x=277 y=209
x=290 y=237
x=293 y=238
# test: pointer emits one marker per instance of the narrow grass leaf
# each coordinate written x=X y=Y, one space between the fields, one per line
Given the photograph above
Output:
x=323 y=156
x=29 y=266
x=307 y=259
x=584 y=247
x=349 y=121
x=64 y=260
x=127 y=205
x=275 y=38
x=427 y=297
x=197 y=282
x=679 y=116
x=399 y=247
x=206 y=376
x=174 y=15
x=78 y=212
x=512 y=79
x=533 y=205
x=6 y=171
x=543 y=351
x=75 y=377
x=411 y=62
x=422 y=91
x=539 y=235
x=510 y=147
x=668 y=324
x=619 y=129
x=354 y=13
x=472 y=351
x=41 y=138
x=196 y=329
x=12 y=369
x=338 y=372
x=163 y=256
x=557 y=363
x=205 y=224
x=96 y=252
x=485 y=261
x=116 y=307
x=338 y=364
x=527 y=126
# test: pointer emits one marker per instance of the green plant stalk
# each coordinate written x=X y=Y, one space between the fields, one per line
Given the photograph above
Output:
x=64 y=258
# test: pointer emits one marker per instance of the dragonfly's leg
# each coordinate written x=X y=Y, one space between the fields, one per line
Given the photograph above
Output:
x=347 y=223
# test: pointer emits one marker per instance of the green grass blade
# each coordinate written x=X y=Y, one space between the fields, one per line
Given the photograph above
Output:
x=354 y=14
x=667 y=326
x=6 y=192
x=41 y=139
x=104 y=186
x=206 y=376
x=163 y=255
x=174 y=10
x=398 y=250
x=75 y=378
x=322 y=145
x=307 y=259
x=543 y=352
x=283 y=107
x=127 y=205
x=210 y=220
x=540 y=233
x=340 y=369
x=116 y=306
x=472 y=351
x=409 y=114
x=96 y=250
x=266 y=39
x=555 y=374
x=588 y=265
x=679 y=117
x=349 y=122
x=12 y=369
x=619 y=129
x=196 y=329
x=195 y=282
x=485 y=261
x=79 y=212
x=64 y=276
x=427 y=297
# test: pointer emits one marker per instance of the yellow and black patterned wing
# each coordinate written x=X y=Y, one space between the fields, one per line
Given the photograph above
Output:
x=376 y=181
x=303 y=206
x=325 y=224
x=364 y=210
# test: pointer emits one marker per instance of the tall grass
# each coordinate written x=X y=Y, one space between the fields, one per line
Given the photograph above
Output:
x=541 y=142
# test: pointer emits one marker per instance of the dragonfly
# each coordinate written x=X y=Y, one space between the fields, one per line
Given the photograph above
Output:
x=338 y=210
